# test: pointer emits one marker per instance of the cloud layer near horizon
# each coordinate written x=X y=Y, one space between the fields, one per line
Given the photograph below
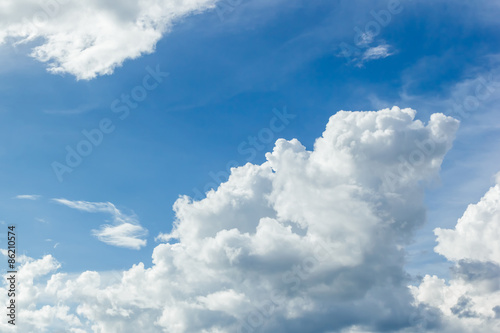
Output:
x=91 y=38
x=307 y=241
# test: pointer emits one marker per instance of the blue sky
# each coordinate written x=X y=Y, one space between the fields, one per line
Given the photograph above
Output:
x=225 y=78
x=226 y=75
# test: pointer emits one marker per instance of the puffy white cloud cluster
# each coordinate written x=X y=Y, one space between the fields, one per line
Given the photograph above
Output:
x=90 y=38
x=309 y=241
x=477 y=232
x=470 y=301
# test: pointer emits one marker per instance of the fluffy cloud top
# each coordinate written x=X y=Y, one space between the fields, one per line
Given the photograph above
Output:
x=477 y=232
x=309 y=241
x=91 y=38
x=125 y=230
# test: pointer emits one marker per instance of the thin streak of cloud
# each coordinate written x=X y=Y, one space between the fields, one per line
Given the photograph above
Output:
x=377 y=52
x=125 y=231
x=28 y=197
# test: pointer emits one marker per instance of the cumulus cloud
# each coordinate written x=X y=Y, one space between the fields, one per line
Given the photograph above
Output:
x=125 y=230
x=28 y=196
x=476 y=234
x=308 y=241
x=470 y=300
x=91 y=38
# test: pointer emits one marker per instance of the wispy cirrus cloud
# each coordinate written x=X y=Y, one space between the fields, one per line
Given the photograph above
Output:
x=377 y=52
x=126 y=231
x=365 y=52
x=28 y=196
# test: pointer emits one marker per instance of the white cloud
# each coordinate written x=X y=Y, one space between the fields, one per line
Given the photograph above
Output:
x=91 y=38
x=125 y=231
x=476 y=234
x=123 y=235
x=470 y=301
x=377 y=52
x=28 y=196
x=307 y=241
